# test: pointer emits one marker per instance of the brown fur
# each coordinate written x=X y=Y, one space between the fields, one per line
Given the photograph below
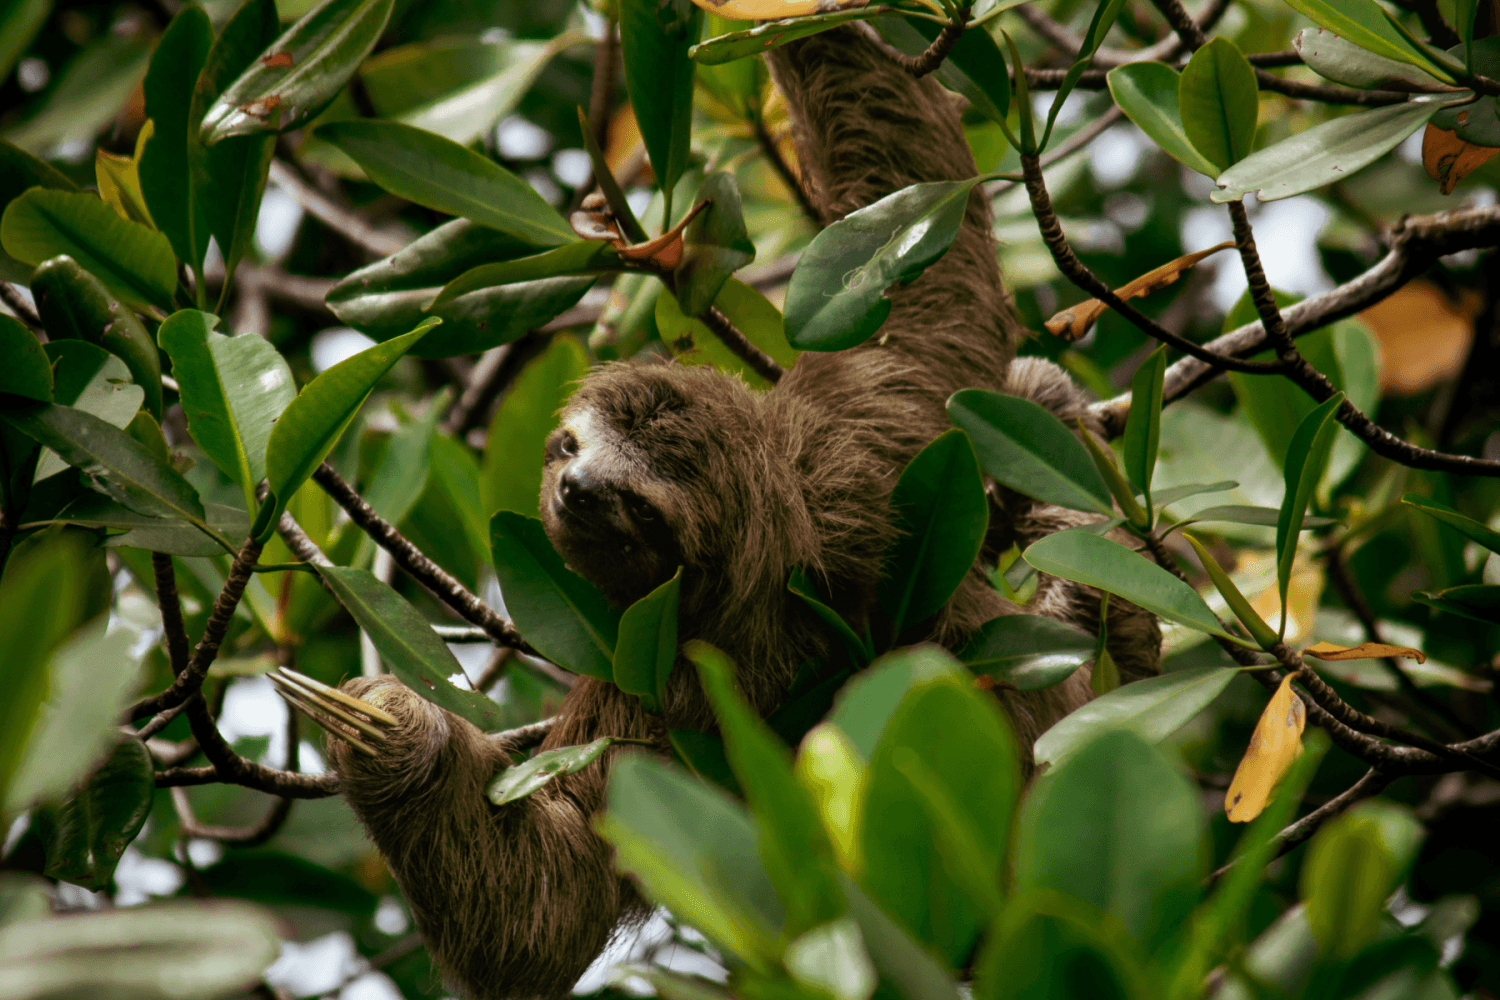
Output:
x=744 y=487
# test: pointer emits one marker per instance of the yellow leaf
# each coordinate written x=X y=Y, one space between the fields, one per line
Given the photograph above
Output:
x=831 y=769
x=772 y=10
x=1304 y=591
x=1365 y=650
x=1074 y=321
x=1276 y=742
x=1449 y=159
x=119 y=181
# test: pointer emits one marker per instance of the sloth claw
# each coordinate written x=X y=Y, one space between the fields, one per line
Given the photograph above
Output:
x=340 y=714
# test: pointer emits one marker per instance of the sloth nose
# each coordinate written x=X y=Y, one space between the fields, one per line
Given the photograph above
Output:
x=579 y=492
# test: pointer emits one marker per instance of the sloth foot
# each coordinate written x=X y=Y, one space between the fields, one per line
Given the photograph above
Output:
x=356 y=722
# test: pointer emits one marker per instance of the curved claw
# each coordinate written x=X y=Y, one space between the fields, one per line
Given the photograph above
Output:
x=342 y=715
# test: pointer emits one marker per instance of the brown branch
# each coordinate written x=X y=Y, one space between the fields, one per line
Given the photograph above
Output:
x=1438 y=31
x=932 y=57
x=173 y=629
x=759 y=361
x=333 y=215
x=443 y=584
x=190 y=680
x=525 y=737
x=248 y=836
x=784 y=170
x=500 y=661
x=228 y=767
x=16 y=303
x=479 y=389
x=1078 y=273
x=1075 y=142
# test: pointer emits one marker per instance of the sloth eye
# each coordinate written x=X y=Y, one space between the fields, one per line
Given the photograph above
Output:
x=568 y=446
x=641 y=510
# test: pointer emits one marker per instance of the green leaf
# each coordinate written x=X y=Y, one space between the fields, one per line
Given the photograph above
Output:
x=655 y=38
x=1477 y=122
x=26 y=371
x=1109 y=470
x=1243 y=514
x=1154 y=709
x=1050 y=946
x=1248 y=616
x=169 y=949
x=1029 y=651
x=900 y=959
x=74 y=304
x=397 y=486
x=1352 y=865
x=802 y=586
x=768 y=35
x=1086 y=558
x=1478 y=601
x=85 y=835
x=1364 y=24
x=1024 y=446
x=864 y=707
x=119 y=466
x=94 y=381
x=690 y=340
x=794 y=847
x=1143 y=425
x=427 y=169
x=1147 y=93
x=20 y=170
x=19 y=23
x=166 y=178
x=1466 y=526
x=1168 y=496
x=510 y=475
x=973 y=68
x=1306 y=457
x=832 y=958
x=89 y=90
x=647 y=645
x=560 y=613
x=941 y=515
x=703 y=755
x=614 y=195
x=301 y=73
x=51 y=586
x=587 y=257
x=158 y=534
x=836 y=298
x=1218 y=99
x=518 y=781
x=312 y=423
x=233 y=389
x=408 y=646
x=1118 y=826
x=979 y=772
x=230 y=176
x=1347 y=63
x=1326 y=153
x=715 y=244
x=132 y=261
x=695 y=851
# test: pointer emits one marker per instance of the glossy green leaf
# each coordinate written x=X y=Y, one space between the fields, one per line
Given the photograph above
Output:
x=1143 y=425
x=1051 y=946
x=397 y=486
x=1135 y=840
x=117 y=464
x=20 y=170
x=1248 y=616
x=654 y=39
x=1478 y=601
x=1154 y=708
x=510 y=475
x=587 y=257
x=301 y=73
x=1352 y=865
x=1087 y=558
x=26 y=371
x=427 y=264
x=74 y=304
x=1175 y=493
x=864 y=707
x=1024 y=446
x=230 y=176
x=941 y=513
x=1028 y=651
x=1243 y=514
x=85 y=835
x=158 y=534
x=1109 y=471
x=233 y=389
x=715 y=244
x=518 y=781
x=973 y=68
x=174 y=949
x=166 y=180
x=690 y=340
x=647 y=644
x=794 y=847
x=312 y=423
x=837 y=296
x=94 y=381
x=1147 y=93
x=19 y=22
x=768 y=35
x=1362 y=23
x=1305 y=460
x=560 y=613
x=609 y=186
x=408 y=646
x=1218 y=99
x=1326 y=153
x=962 y=738
x=896 y=955
x=430 y=170
x=133 y=262
x=1467 y=526
x=802 y=586
x=695 y=851
x=1347 y=63
x=1476 y=122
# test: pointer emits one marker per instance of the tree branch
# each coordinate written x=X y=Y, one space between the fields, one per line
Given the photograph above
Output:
x=173 y=629
x=333 y=215
x=784 y=171
x=759 y=361
x=228 y=767
x=16 y=303
x=931 y=58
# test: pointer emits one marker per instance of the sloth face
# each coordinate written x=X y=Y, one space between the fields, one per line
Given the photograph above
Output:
x=647 y=472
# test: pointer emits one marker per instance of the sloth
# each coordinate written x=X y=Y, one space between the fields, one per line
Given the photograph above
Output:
x=657 y=466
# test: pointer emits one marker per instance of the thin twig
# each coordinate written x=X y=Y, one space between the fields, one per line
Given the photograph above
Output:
x=228 y=767
x=932 y=57
x=333 y=215
x=173 y=629
x=16 y=303
x=478 y=390
x=191 y=679
x=784 y=170
x=525 y=737
x=500 y=661
x=1077 y=141
x=759 y=361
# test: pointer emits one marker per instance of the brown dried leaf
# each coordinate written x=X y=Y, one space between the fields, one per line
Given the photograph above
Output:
x=1276 y=742
x=1449 y=159
x=1364 y=651
x=666 y=250
x=1073 y=322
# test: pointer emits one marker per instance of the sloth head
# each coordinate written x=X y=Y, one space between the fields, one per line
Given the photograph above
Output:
x=656 y=466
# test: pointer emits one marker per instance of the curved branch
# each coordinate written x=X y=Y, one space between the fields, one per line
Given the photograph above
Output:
x=759 y=361
x=228 y=767
x=933 y=56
